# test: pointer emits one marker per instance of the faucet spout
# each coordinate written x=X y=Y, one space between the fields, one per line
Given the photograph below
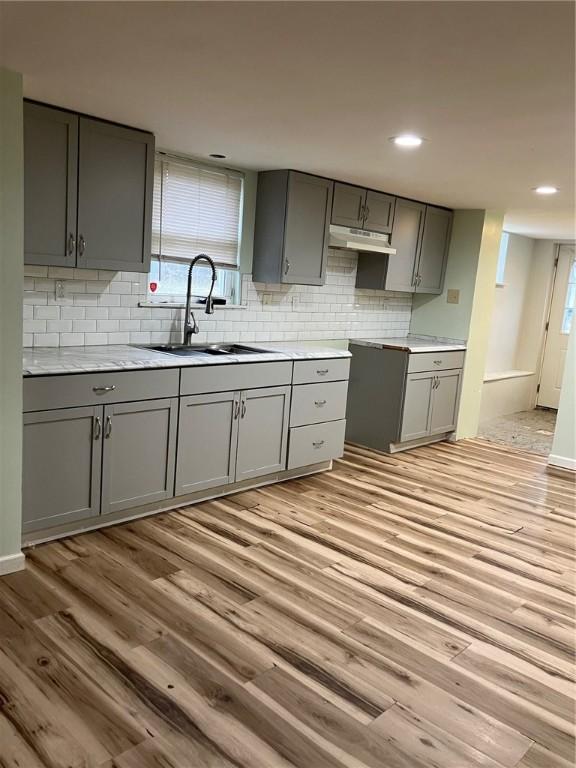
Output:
x=190 y=324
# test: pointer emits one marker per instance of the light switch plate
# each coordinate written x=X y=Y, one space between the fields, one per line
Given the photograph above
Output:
x=453 y=296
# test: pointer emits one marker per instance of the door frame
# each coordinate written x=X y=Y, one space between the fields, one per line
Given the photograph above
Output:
x=545 y=334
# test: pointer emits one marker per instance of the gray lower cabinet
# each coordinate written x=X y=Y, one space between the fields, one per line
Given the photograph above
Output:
x=50 y=185
x=417 y=406
x=227 y=437
x=87 y=191
x=396 y=397
x=139 y=450
x=262 y=432
x=292 y=227
x=62 y=456
x=207 y=438
x=444 y=412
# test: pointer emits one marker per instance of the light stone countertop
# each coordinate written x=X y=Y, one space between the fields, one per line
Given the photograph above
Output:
x=45 y=361
x=413 y=344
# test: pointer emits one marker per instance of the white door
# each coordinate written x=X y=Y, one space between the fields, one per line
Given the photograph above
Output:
x=561 y=312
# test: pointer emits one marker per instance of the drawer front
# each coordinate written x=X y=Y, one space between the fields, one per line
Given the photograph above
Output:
x=198 y=380
x=42 y=393
x=315 y=443
x=312 y=371
x=434 y=361
x=314 y=403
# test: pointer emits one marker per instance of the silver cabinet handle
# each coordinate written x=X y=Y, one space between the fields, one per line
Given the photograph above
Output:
x=243 y=409
x=319 y=403
x=318 y=443
x=100 y=390
x=97 y=431
x=71 y=244
x=322 y=371
x=286 y=266
x=366 y=213
x=236 y=409
x=81 y=245
x=437 y=362
x=108 y=429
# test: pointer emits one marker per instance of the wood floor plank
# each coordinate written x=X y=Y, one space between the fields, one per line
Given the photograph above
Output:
x=413 y=610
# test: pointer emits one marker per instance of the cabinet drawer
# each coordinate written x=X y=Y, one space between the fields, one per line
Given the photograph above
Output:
x=43 y=393
x=315 y=443
x=222 y=378
x=314 y=403
x=311 y=371
x=435 y=361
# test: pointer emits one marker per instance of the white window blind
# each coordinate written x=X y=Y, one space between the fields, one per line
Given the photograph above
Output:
x=196 y=210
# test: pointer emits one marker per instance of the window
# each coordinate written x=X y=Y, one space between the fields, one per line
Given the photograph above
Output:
x=503 y=252
x=195 y=210
x=570 y=302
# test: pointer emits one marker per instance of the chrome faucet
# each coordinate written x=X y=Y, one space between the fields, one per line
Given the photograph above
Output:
x=190 y=324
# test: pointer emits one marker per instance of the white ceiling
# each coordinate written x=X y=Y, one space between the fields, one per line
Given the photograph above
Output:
x=322 y=86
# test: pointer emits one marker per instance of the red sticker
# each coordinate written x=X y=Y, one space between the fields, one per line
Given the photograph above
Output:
x=153 y=287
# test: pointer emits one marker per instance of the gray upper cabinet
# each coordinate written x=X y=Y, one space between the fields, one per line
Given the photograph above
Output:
x=139 y=453
x=62 y=455
x=362 y=208
x=291 y=231
x=50 y=185
x=87 y=191
x=406 y=239
x=263 y=432
x=434 y=250
x=207 y=435
x=116 y=167
x=379 y=212
x=421 y=236
x=348 y=205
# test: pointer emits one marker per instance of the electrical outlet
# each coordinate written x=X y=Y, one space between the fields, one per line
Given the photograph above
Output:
x=295 y=301
x=267 y=298
x=59 y=291
x=453 y=296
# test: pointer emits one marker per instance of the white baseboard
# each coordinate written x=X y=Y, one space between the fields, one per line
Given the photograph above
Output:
x=562 y=461
x=12 y=563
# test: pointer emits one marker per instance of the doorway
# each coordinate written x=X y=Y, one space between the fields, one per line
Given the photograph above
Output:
x=562 y=309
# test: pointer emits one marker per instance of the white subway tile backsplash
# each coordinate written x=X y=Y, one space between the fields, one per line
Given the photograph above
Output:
x=103 y=308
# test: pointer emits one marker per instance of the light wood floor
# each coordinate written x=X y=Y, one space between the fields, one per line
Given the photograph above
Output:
x=413 y=611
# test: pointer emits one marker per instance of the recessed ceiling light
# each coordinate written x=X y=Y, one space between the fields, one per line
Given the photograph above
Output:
x=217 y=156
x=407 y=140
x=545 y=190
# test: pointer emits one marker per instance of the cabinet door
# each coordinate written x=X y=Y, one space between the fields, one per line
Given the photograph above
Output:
x=207 y=436
x=417 y=406
x=50 y=181
x=434 y=250
x=61 y=466
x=116 y=168
x=306 y=234
x=139 y=443
x=348 y=205
x=379 y=212
x=262 y=432
x=445 y=401
x=406 y=235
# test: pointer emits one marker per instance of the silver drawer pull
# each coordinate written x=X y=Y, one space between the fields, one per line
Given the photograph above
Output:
x=437 y=362
x=322 y=371
x=97 y=430
x=318 y=443
x=111 y=388
x=319 y=403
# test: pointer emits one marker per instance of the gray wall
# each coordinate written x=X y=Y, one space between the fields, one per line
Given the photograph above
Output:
x=11 y=286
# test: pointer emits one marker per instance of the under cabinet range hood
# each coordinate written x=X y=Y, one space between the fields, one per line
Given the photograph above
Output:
x=350 y=239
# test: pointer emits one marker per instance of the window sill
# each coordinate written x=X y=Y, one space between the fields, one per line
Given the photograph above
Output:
x=182 y=305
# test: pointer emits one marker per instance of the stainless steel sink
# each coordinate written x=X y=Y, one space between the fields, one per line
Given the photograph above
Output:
x=186 y=350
